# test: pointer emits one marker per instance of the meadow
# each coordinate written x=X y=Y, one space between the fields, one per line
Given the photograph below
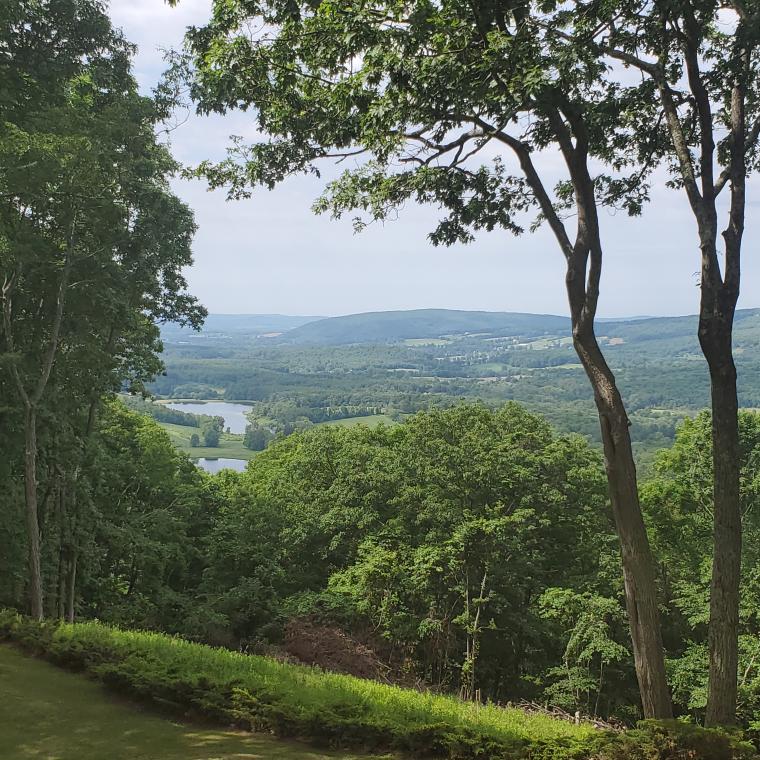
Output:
x=230 y=445
x=76 y=719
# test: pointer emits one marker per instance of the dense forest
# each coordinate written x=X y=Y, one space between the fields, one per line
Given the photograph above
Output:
x=470 y=550
x=549 y=512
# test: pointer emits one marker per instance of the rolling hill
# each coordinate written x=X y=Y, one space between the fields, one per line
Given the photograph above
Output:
x=393 y=326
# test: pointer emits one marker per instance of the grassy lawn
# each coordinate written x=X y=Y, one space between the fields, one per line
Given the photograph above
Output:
x=55 y=715
x=230 y=446
x=52 y=714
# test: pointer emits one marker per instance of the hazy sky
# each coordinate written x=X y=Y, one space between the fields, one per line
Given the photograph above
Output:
x=270 y=254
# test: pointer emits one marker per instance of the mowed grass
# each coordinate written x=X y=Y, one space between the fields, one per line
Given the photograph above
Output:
x=299 y=689
x=230 y=445
x=49 y=713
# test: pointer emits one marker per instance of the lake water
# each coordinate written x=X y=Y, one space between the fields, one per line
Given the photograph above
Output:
x=234 y=414
x=214 y=465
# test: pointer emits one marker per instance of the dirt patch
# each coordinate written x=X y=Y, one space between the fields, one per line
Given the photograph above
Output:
x=332 y=649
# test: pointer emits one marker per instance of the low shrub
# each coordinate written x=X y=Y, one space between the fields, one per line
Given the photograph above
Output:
x=261 y=694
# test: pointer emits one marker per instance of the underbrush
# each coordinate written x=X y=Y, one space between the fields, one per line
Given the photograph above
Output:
x=260 y=694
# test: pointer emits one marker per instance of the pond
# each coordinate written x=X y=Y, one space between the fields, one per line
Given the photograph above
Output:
x=215 y=465
x=234 y=414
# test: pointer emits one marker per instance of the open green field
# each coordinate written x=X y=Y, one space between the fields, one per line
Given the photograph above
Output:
x=372 y=420
x=230 y=446
x=50 y=714
x=426 y=342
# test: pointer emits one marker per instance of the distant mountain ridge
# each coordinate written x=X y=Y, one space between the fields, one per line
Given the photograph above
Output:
x=427 y=324
x=237 y=324
x=391 y=326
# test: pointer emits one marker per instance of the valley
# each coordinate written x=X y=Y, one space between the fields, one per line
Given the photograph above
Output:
x=379 y=367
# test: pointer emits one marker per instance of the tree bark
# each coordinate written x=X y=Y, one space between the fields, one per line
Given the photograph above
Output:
x=715 y=334
x=32 y=524
x=71 y=587
x=638 y=568
x=30 y=400
x=584 y=267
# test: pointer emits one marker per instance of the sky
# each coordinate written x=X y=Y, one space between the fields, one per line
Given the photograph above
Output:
x=272 y=254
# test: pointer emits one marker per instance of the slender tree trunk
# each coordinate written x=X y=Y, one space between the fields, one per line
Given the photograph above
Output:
x=638 y=568
x=715 y=335
x=62 y=550
x=30 y=401
x=71 y=586
x=61 y=590
x=584 y=267
x=32 y=524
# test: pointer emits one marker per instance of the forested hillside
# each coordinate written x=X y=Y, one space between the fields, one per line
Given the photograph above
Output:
x=394 y=326
x=464 y=549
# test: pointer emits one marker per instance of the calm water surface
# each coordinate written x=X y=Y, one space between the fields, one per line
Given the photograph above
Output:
x=215 y=465
x=234 y=414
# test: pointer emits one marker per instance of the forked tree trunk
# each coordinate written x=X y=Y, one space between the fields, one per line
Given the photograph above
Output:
x=638 y=568
x=584 y=268
x=30 y=400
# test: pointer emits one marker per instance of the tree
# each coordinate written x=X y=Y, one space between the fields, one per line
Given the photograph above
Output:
x=485 y=507
x=698 y=107
x=425 y=94
x=257 y=438
x=92 y=243
x=679 y=500
x=211 y=432
x=195 y=441
x=592 y=650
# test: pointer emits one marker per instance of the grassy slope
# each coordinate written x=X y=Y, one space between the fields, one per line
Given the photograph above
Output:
x=74 y=719
x=304 y=689
x=289 y=700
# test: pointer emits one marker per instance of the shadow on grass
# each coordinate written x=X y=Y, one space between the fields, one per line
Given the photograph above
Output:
x=49 y=714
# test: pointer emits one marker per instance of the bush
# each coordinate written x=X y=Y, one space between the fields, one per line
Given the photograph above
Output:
x=261 y=694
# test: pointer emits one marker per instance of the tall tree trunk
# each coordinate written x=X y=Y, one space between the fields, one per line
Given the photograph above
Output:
x=715 y=334
x=30 y=401
x=61 y=588
x=32 y=523
x=584 y=268
x=71 y=586
x=62 y=550
x=638 y=567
